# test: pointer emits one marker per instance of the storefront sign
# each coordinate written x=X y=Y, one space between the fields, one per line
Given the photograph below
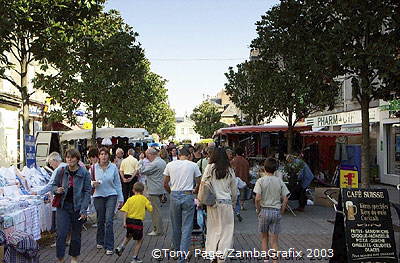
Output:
x=30 y=151
x=35 y=110
x=342 y=118
x=368 y=226
x=348 y=177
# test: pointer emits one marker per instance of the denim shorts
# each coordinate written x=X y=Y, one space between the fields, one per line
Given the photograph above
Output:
x=269 y=220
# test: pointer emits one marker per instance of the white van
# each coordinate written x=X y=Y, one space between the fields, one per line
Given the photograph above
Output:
x=46 y=143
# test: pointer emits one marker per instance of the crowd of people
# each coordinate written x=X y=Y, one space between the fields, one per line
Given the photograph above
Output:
x=140 y=182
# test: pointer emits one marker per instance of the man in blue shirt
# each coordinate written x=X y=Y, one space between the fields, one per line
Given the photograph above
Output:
x=304 y=179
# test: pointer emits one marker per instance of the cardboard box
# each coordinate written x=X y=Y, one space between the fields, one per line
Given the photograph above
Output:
x=320 y=197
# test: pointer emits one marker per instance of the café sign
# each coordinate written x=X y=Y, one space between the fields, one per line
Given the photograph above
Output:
x=342 y=118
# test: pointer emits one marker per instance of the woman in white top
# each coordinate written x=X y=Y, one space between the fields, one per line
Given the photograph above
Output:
x=220 y=217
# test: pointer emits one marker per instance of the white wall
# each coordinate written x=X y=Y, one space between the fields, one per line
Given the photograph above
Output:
x=8 y=136
x=185 y=131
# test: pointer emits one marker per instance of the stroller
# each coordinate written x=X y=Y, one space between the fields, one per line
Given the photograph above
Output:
x=199 y=228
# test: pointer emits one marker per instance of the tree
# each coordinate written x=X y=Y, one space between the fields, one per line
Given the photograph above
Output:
x=146 y=105
x=207 y=119
x=284 y=81
x=367 y=52
x=245 y=89
x=97 y=70
x=24 y=29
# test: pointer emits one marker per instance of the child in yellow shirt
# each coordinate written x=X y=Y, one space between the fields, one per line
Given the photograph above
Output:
x=134 y=211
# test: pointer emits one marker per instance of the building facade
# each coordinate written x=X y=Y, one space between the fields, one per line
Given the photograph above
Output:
x=184 y=130
x=10 y=112
x=384 y=131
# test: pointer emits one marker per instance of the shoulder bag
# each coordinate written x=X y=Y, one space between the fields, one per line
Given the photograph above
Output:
x=206 y=195
x=57 y=197
x=92 y=172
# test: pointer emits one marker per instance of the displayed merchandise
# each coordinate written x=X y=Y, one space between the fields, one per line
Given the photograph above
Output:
x=20 y=247
x=21 y=212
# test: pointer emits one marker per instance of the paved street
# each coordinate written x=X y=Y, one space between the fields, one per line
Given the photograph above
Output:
x=305 y=231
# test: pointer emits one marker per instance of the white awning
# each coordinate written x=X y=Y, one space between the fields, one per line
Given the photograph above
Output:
x=131 y=133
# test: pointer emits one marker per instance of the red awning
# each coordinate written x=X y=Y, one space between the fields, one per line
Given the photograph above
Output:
x=256 y=129
x=329 y=133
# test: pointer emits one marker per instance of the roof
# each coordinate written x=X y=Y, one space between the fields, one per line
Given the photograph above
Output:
x=231 y=110
x=260 y=128
x=131 y=133
x=330 y=133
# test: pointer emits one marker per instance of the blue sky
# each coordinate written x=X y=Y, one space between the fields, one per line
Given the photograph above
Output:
x=189 y=42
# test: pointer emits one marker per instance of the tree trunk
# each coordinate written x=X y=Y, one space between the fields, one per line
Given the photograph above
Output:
x=365 y=153
x=94 y=126
x=25 y=103
x=290 y=134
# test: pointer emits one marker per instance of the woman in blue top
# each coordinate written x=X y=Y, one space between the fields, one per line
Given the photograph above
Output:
x=107 y=193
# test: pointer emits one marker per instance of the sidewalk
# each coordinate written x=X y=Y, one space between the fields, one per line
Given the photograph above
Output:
x=308 y=232
x=394 y=194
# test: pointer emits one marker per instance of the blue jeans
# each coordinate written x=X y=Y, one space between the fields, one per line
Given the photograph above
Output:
x=67 y=221
x=105 y=208
x=182 y=214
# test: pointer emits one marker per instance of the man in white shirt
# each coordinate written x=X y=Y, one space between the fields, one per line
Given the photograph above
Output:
x=179 y=179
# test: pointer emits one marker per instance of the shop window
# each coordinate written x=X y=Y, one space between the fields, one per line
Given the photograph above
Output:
x=393 y=148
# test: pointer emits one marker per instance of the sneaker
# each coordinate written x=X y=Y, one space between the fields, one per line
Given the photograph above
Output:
x=153 y=233
x=99 y=246
x=109 y=252
x=53 y=245
x=136 y=260
x=239 y=217
x=119 y=251
x=94 y=225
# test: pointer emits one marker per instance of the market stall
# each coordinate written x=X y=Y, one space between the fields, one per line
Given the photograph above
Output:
x=261 y=140
x=325 y=150
x=124 y=138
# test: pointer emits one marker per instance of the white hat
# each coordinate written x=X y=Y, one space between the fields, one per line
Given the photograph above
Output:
x=106 y=142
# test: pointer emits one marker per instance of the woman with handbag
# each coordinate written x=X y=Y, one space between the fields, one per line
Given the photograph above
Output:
x=107 y=193
x=219 y=180
x=72 y=189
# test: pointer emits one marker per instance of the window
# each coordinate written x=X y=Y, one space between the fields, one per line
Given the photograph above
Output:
x=393 y=143
x=42 y=150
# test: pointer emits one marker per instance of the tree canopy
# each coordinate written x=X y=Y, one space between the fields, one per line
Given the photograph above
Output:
x=366 y=48
x=146 y=105
x=283 y=80
x=207 y=119
x=105 y=71
x=96 y=70
x=246 y=88
x=25 y=27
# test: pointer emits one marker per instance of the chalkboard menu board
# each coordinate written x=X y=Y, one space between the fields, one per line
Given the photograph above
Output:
x=368 y=226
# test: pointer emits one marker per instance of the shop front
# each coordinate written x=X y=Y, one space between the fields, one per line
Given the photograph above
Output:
x=351 y=122
x=389 y=153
